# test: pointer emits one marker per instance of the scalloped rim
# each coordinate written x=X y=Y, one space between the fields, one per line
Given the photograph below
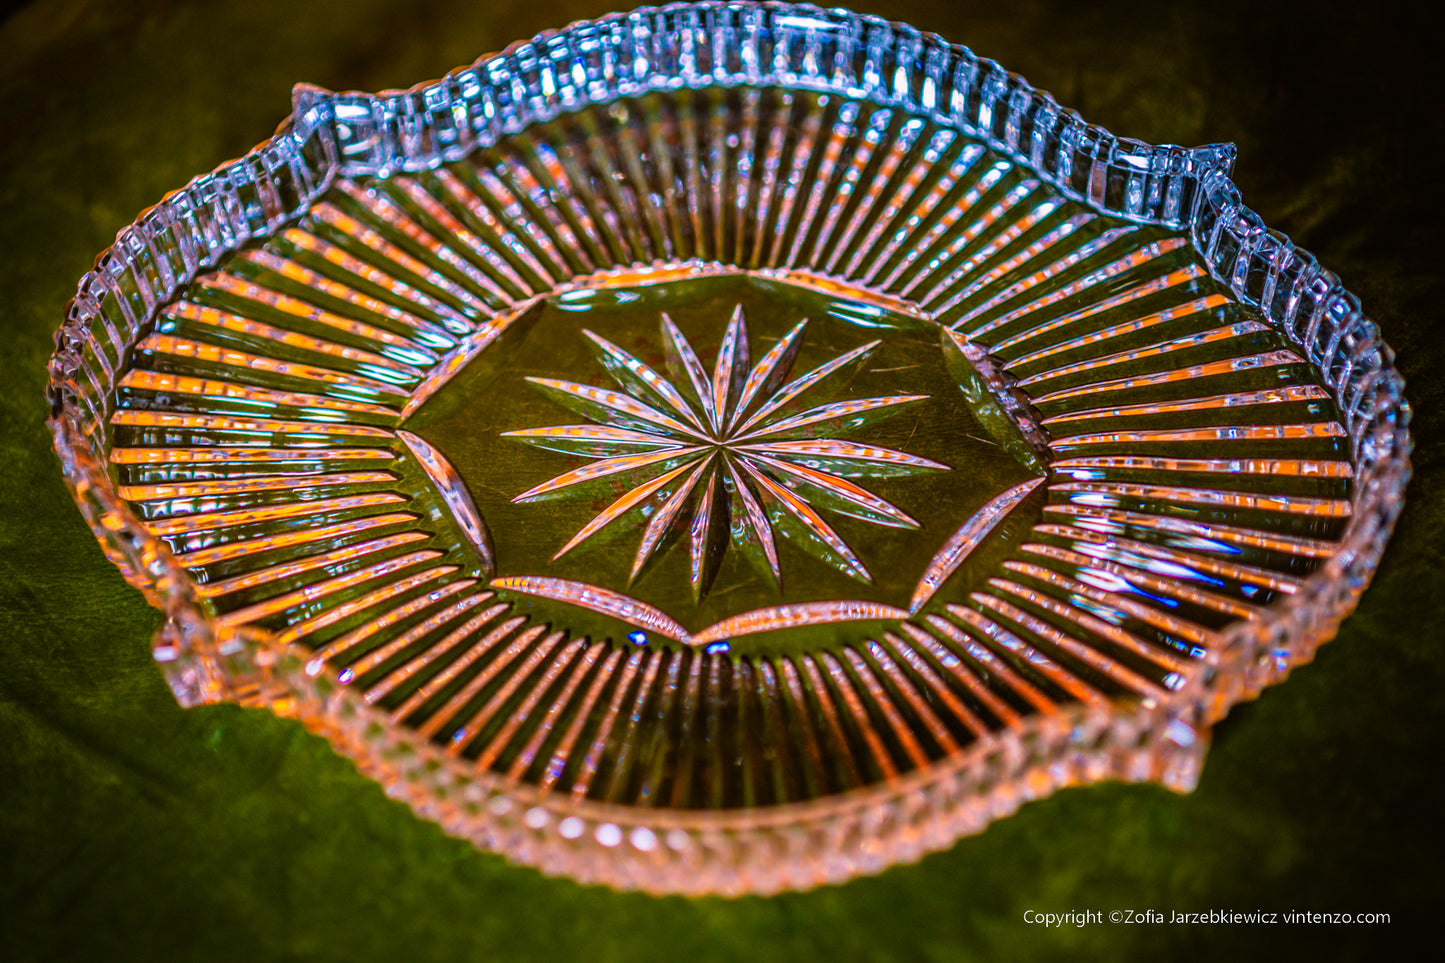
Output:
x=796 y=845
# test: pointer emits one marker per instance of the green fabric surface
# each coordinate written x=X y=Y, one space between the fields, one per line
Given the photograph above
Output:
x=133 y=829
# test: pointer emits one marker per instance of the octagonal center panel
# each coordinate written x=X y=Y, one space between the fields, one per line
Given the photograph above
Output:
x=730 y=450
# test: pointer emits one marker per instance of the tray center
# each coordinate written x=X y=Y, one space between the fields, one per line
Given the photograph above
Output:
x=712 y=441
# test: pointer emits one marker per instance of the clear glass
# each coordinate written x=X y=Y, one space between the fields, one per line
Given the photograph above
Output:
x=729 y=447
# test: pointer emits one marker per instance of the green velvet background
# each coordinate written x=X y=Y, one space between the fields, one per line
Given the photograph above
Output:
x=131 y=829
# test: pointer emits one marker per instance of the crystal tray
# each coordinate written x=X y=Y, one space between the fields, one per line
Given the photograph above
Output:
x=728 y=447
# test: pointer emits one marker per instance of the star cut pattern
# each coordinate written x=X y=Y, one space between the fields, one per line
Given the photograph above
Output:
x=731 y=457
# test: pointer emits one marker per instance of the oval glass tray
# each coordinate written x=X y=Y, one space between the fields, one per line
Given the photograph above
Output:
x=729 y=447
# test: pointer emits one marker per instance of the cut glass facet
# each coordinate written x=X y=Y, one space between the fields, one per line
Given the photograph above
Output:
x=728 y=447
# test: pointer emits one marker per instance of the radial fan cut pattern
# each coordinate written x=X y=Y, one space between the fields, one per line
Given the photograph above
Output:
x=1195 y=468
x=724 y=446
x=1167 y=514
x=1198 y=469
